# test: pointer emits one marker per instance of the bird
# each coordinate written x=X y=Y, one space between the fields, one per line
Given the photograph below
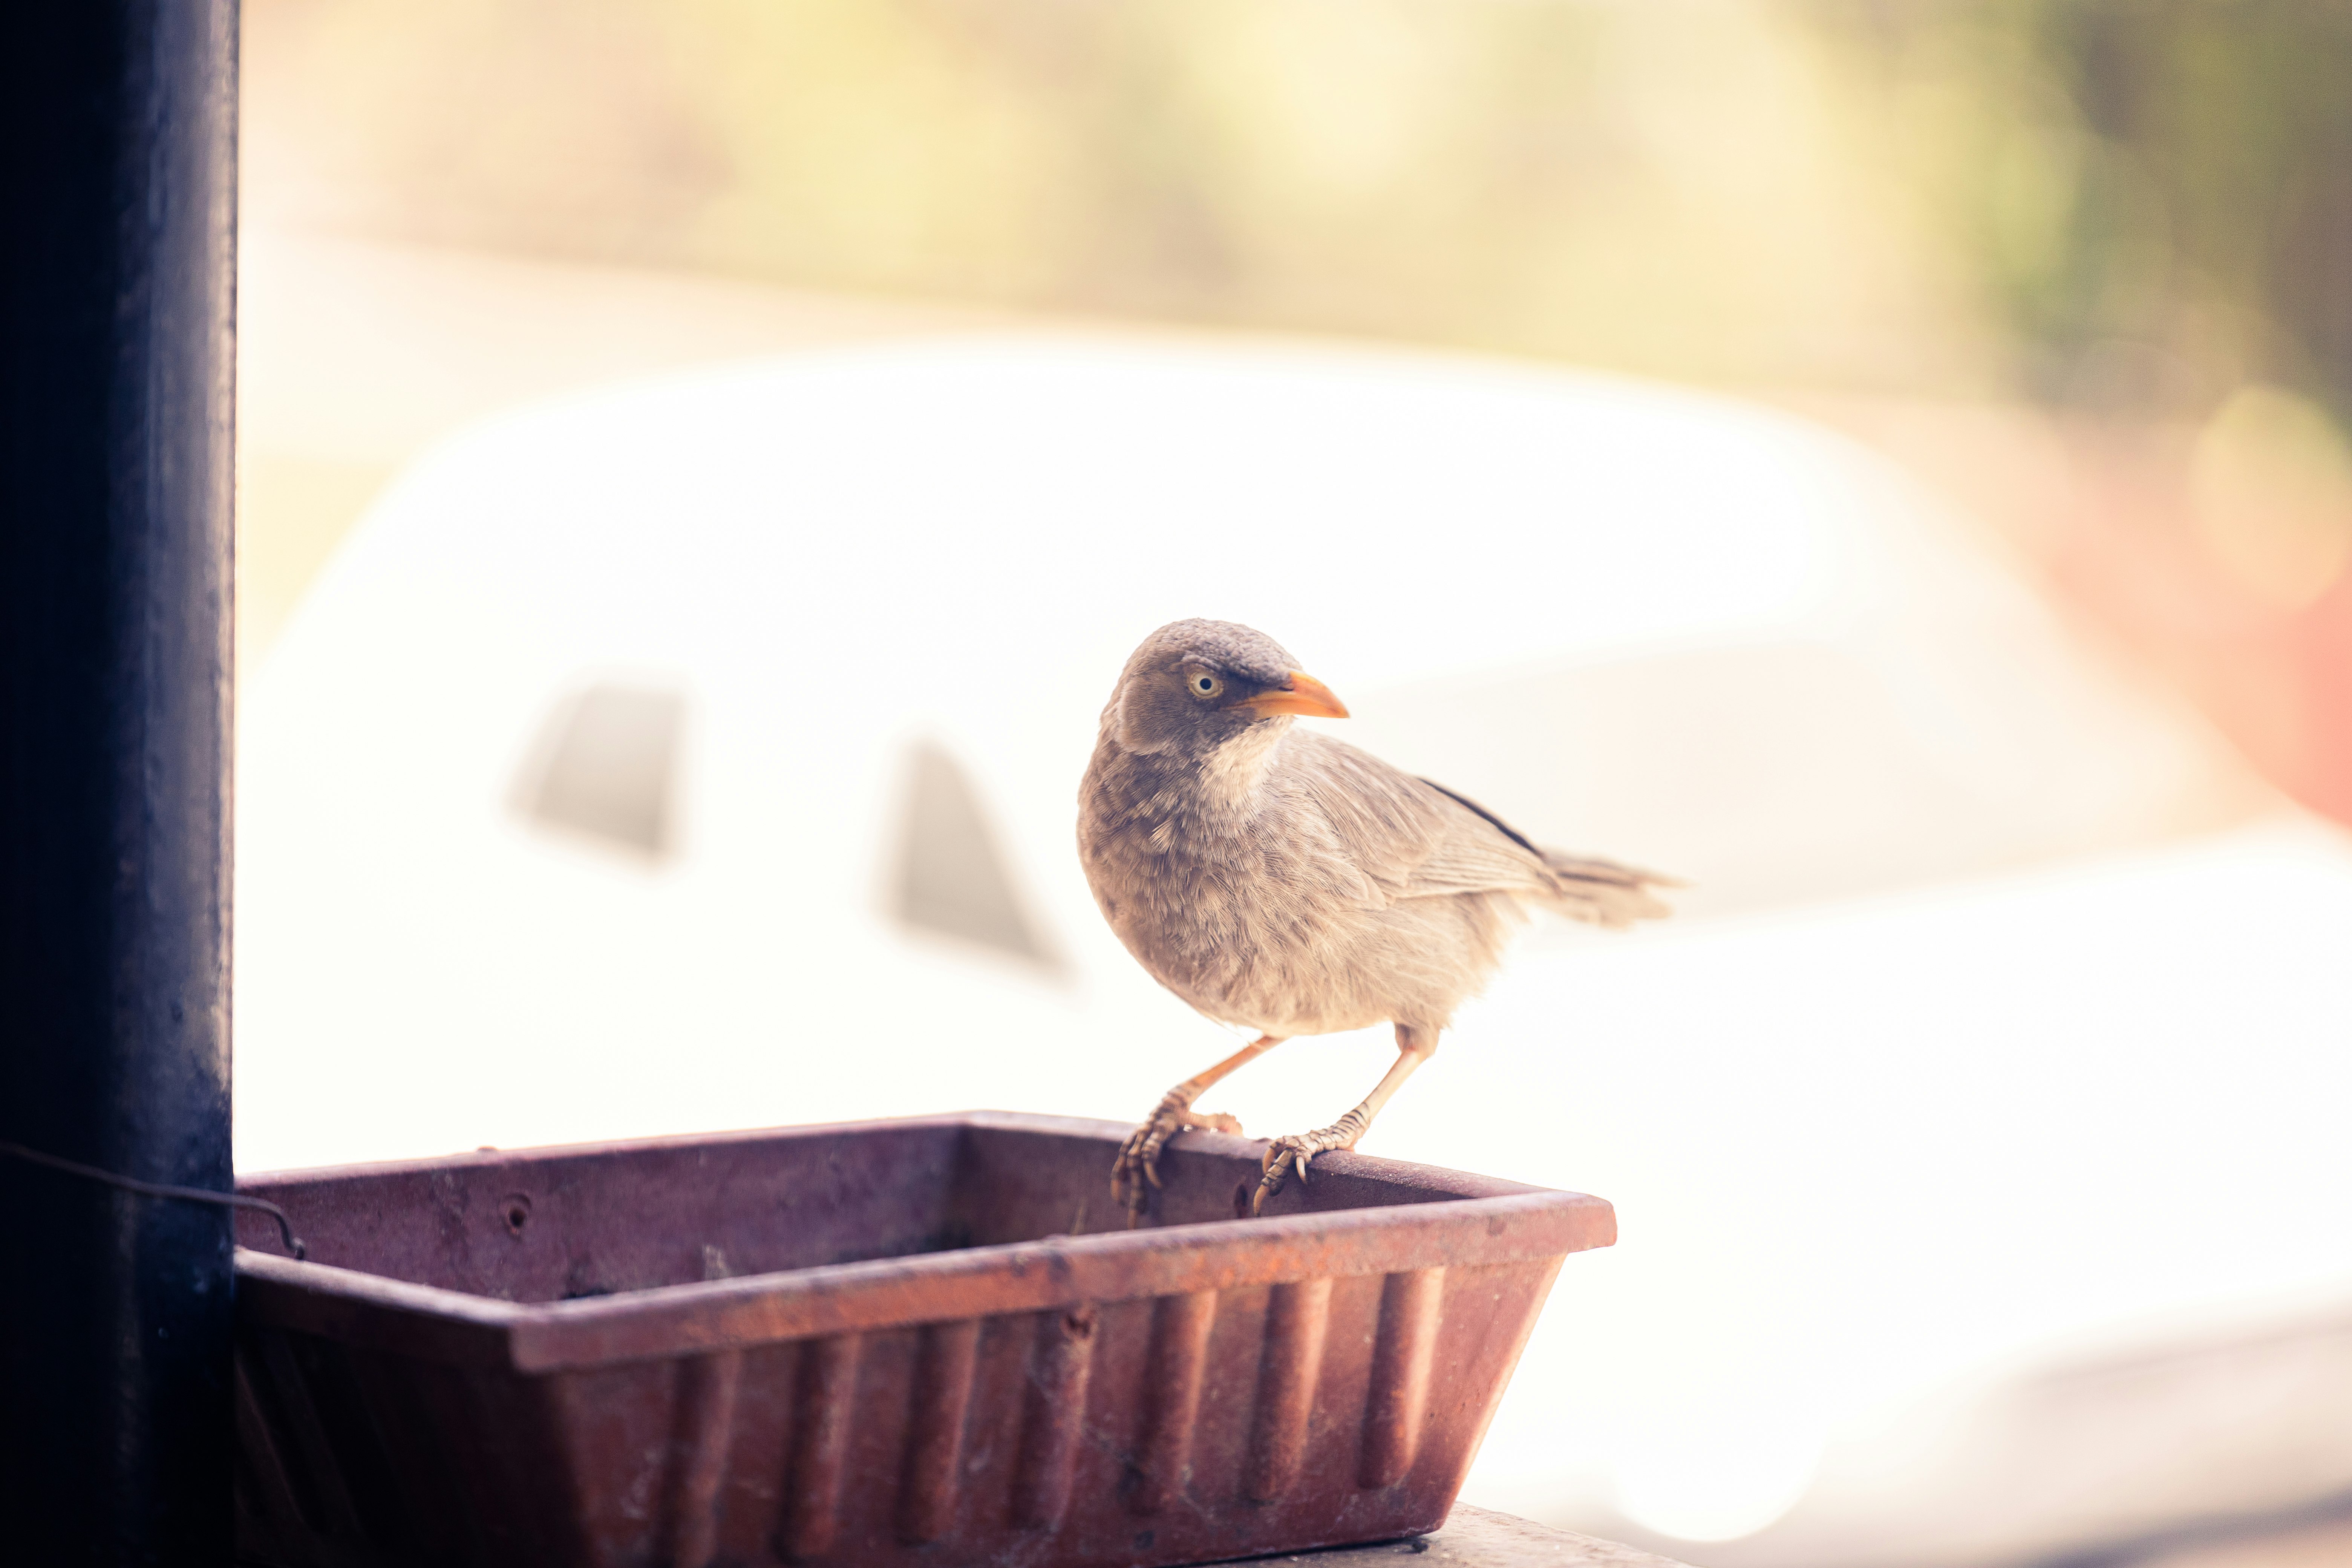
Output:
x=1284 y=882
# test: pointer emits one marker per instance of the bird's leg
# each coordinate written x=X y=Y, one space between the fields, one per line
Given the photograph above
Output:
x=1139 y=1157
x=1282 y=1155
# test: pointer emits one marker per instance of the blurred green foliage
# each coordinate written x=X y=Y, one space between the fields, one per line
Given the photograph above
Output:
x=1666 y=187
x=2135 y=205
x=2154 y=196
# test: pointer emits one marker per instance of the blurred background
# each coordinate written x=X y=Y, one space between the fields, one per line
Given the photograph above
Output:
x=703 y=462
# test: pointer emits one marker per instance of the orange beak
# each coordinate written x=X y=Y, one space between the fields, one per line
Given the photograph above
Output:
x=1303 y=694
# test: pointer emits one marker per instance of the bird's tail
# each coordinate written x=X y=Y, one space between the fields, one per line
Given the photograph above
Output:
x=1604 y=893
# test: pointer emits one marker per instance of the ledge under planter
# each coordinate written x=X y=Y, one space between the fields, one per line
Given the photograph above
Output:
x=928 y=1340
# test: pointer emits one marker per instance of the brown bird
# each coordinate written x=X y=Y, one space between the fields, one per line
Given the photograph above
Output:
x=1284 y=882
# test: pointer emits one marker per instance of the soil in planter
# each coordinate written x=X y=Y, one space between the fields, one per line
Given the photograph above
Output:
x=574 y=1223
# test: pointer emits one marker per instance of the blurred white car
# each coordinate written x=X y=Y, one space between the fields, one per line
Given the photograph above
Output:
x=702 y=754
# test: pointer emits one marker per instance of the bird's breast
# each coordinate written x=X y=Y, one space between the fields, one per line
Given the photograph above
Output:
x=1224 y=920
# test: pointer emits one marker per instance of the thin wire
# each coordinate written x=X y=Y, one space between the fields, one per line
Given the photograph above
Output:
x=164 y=1190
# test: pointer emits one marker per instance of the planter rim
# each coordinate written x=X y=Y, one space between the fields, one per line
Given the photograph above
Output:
x=1468 y=1220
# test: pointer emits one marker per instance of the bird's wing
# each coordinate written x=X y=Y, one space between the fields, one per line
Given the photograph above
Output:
x=1411 y=838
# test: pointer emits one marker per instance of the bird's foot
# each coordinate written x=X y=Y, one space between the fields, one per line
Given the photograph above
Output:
x=1138 y=1167
x=1291 y=1153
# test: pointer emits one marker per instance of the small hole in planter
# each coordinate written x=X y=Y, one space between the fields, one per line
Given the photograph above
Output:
x=1242 y=1200
x=515 y=1210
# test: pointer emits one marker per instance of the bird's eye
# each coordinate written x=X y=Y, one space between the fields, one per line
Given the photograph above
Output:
x=1203 y=685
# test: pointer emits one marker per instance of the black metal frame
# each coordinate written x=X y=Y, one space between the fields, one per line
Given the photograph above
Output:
x=117 y=279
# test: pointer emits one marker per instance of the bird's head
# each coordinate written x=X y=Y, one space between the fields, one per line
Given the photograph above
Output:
x=1194 y=685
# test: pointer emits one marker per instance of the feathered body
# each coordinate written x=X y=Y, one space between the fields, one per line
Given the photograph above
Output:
x=1278 y=879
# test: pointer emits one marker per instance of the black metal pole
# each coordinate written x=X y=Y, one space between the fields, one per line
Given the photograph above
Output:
x=118 y=198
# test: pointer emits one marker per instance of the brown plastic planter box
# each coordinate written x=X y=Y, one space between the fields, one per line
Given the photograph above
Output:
x=919 y=1341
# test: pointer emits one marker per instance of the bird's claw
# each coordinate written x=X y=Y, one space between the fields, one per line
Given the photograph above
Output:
x=1291 y=1154
x=1138 y=1165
